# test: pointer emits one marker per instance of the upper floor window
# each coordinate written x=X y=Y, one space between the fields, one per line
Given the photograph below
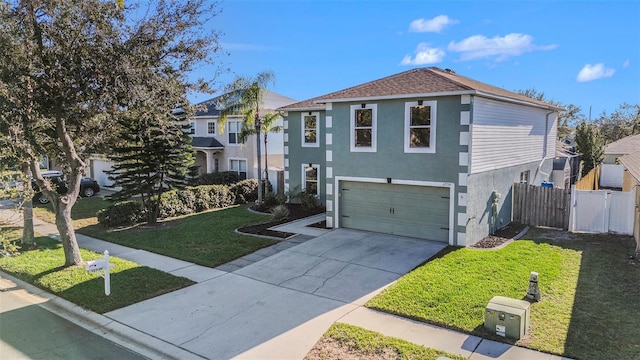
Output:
x=363 y=127
x=192 y=127
x=234 y=129
x=310 y=129
x=310 y=178
x=420 y=127
x=524 y=177
x=211 y=127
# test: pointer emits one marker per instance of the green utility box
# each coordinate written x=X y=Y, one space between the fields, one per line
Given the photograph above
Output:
x=507 y=317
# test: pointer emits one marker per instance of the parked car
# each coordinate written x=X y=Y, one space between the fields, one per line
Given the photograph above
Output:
x=88 y=186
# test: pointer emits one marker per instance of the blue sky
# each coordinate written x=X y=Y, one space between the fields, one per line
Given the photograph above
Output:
x=585 y=53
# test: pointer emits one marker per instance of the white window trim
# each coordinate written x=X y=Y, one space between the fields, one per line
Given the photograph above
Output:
x=407 y=130
x=302 y=128
x=214 y=127
x=228 y=126
x=239 y=159
x=374 y=128
x=304 y=177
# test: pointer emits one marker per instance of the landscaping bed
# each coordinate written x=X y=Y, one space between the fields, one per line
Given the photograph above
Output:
x=500 y=237
x=584 y=280
x=296 y=212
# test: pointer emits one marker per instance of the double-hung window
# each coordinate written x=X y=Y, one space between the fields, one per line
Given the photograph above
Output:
x=192 y=127
x=234 y=128
x=363 y=127
x=211 y=127
x=310 y=129
x=420 y=127
x=310 y=179
x=239 y=166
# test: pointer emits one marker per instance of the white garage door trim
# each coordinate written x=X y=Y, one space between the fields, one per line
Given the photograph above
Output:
x=450 y=186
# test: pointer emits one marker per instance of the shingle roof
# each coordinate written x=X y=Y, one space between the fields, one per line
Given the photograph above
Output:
x=205 y=142
x=625 y=145
x=631 y=162
x=415 y=82
x=271 y=102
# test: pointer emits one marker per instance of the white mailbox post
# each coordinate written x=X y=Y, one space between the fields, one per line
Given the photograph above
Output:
x=102 y=264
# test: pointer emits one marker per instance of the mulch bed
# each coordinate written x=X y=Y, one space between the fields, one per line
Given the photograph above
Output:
x=295 y=212
x=500 y=237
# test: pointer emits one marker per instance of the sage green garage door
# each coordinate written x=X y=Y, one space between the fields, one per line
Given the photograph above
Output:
x=407 y=210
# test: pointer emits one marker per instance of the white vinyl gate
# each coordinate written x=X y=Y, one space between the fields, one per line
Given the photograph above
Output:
x=602 y=211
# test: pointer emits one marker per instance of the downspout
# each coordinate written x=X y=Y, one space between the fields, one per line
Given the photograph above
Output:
x=544 y=149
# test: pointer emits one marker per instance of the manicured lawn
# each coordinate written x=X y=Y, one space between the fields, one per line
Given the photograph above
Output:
x=206 y=238
x=130 y=282
x=343 y=341
x=589 y=292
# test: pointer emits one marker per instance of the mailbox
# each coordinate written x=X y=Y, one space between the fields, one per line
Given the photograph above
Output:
x=507 y=317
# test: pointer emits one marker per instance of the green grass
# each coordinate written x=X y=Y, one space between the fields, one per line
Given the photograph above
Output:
x=588 y=288
x=207 y=238
x=130 y=282
x=361 y=343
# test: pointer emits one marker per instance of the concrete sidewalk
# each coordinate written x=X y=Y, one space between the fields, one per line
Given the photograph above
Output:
x=224 y=307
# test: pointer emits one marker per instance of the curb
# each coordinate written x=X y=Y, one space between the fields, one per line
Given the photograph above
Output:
x=121 y=334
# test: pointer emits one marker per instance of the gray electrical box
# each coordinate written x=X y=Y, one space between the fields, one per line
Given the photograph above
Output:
x=507 y=317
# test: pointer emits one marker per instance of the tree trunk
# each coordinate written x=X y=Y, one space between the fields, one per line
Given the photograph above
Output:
x=28 y=237
x=259 y=155
x=67 y=233
x=266 y=158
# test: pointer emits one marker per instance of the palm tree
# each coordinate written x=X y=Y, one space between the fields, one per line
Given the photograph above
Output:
x=244 y=96
x=268 y=125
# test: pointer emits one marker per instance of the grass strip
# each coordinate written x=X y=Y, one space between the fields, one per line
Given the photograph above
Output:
x=130 y=282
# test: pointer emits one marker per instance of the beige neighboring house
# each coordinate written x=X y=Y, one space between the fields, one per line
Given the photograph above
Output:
x=631 y=182
x=218 y=150
x=221 y=150
x=624 y=146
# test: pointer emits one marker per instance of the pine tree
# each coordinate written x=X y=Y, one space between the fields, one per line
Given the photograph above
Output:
x=152 y=156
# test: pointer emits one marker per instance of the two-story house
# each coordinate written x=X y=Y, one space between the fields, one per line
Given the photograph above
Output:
x=425 y=153
x=221 y=149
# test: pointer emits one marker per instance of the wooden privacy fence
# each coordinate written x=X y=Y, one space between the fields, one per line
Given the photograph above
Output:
x=541 y=206
x=591 y=181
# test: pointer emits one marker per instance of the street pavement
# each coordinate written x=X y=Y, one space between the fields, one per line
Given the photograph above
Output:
x=28 y=331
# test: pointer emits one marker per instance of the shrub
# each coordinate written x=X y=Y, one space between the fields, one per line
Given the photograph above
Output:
x=279 y=213
x=173 y=204
x=218 y=178
x=309 y=201
x=220 y=196
x=195 y=199
x=245 y=191
x=125 y=213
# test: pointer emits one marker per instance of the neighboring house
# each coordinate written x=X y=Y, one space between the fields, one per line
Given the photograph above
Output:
x=611 y=172
x=221 y=150
x=624 y=146
x=422 y=153
x=631 y=182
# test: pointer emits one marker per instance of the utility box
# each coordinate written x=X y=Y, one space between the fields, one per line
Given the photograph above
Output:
x=507 y=317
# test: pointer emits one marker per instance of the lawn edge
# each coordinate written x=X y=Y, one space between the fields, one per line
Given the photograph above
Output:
x=103 y=326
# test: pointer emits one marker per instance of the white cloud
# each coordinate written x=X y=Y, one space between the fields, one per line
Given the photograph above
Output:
x=479 y=46
x=424 y=55
x=626 y=63
x=433 y=25
x=593 y=72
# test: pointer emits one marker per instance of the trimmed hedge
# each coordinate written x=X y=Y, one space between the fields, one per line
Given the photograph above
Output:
x=218 y=178
x=245 y=191
x=125 y=213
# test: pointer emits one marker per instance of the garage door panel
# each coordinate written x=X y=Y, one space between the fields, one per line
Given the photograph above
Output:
x=407 y=210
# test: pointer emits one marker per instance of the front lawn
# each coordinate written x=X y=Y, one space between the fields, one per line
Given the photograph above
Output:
x=207 y=238
x=588 y=283
x=130 y=282
x=343 y=341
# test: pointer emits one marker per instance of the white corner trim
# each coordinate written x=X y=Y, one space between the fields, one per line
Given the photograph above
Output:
x=329 y=156
x=462 y=199
x=465 y=117
x=462 y=179
x=465 y=99
x=328 y=121
x=463 y=159
x=464 y=138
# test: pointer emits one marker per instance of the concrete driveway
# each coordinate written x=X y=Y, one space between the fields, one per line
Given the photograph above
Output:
x=279 y=306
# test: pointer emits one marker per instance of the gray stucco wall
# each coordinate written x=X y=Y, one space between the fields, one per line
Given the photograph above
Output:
x=298 y=155
x=480 y=196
